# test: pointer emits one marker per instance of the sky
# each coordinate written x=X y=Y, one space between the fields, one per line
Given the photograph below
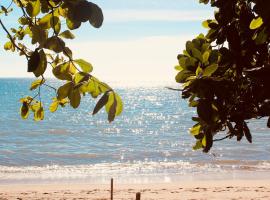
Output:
x=138 y=42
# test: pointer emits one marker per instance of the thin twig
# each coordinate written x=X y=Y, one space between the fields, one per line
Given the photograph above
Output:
x=10 y=4
x=53 y=88
x=174 y=89
x=11 y=39
x=217 y=140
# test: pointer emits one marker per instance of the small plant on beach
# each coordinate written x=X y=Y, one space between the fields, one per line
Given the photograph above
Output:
x=226 y=74
x=44 y=25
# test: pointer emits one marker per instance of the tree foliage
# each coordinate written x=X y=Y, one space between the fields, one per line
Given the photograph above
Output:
x=225 y=74
x=40 y=37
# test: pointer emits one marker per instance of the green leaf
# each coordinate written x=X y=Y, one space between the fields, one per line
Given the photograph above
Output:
x=8 y=45
x=205 y=56
x=67 y=34
x=96 y=16
x=183 y=75
x=199 y=71
x=113 y=97
x=39 y=114
x=80 y=78
x=33 y=8
x=198 y=145
x=55 y=44
x=204 y=141
x=256 y=23
x=23 y=21
x=195 y=130
x=189 y=47
x=67 y=51
x=208 y=71
x=64 y=91
x=75 y=98
x=178 y=68
x=42 y=66
x=36 y=84
x=44 y=22
x=101 y=103
x=205 y=23
x=112 y=111
x=193 y=104
x=34 y=61
x=197 y=54
x=84 y=65
x=73 y=24
x=54 y=106
x=55 y=24
x=62 y=71
x=38 y=35
x=261 y=37
x=24 y=110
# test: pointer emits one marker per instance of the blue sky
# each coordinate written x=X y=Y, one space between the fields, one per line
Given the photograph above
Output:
x=138 y=42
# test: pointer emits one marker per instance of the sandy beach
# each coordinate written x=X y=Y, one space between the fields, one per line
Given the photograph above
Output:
x=229 y=189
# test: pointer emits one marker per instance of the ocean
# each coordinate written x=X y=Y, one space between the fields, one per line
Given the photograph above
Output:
x=149 y=142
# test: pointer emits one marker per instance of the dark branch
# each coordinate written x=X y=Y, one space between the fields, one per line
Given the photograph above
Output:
x=11 y=39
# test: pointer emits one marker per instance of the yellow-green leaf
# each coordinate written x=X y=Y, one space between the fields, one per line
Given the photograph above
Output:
x=198 y=145
x=8 y=45
x=62 y=71
x=55 y=44
x=208 y=71
x=256 y=23
x=23 y=21
x=206 y=56
x=67 y=34
x=205 y=24
x=36 y=84
x=39 y=114
x=84 y=65
x=178 y=68
x=33 y=8
x=44 y=22
x=73 y=24
x=199 y=71
x=54 y=106
x=75 y=98
x=113 y=97
x=195 y=130
x=24 y=110
x=64 y=91
x=204 y=141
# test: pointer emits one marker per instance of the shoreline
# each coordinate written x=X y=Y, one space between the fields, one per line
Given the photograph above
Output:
x=219 y=189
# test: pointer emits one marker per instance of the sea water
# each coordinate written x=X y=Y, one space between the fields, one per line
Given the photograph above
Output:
x=150 y=141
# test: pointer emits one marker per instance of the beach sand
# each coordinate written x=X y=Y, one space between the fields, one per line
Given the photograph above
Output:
x=229 y=189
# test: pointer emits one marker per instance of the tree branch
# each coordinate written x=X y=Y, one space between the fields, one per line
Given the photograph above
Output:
x=11 y=39
x=174 y=89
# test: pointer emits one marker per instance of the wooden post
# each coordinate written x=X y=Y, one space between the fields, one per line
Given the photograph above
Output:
x=112 y=189
x=138 y=196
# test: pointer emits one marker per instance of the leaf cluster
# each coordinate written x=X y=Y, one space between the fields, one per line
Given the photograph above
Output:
x=46 y=25
x=225 y=74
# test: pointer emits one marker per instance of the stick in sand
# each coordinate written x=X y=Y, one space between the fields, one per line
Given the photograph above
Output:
x=112 y=189
x=138 y=196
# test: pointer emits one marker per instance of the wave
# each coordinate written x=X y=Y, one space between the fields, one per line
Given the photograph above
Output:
x=132 y=171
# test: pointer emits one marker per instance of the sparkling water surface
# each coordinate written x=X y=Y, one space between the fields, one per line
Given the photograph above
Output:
x=150 y=139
